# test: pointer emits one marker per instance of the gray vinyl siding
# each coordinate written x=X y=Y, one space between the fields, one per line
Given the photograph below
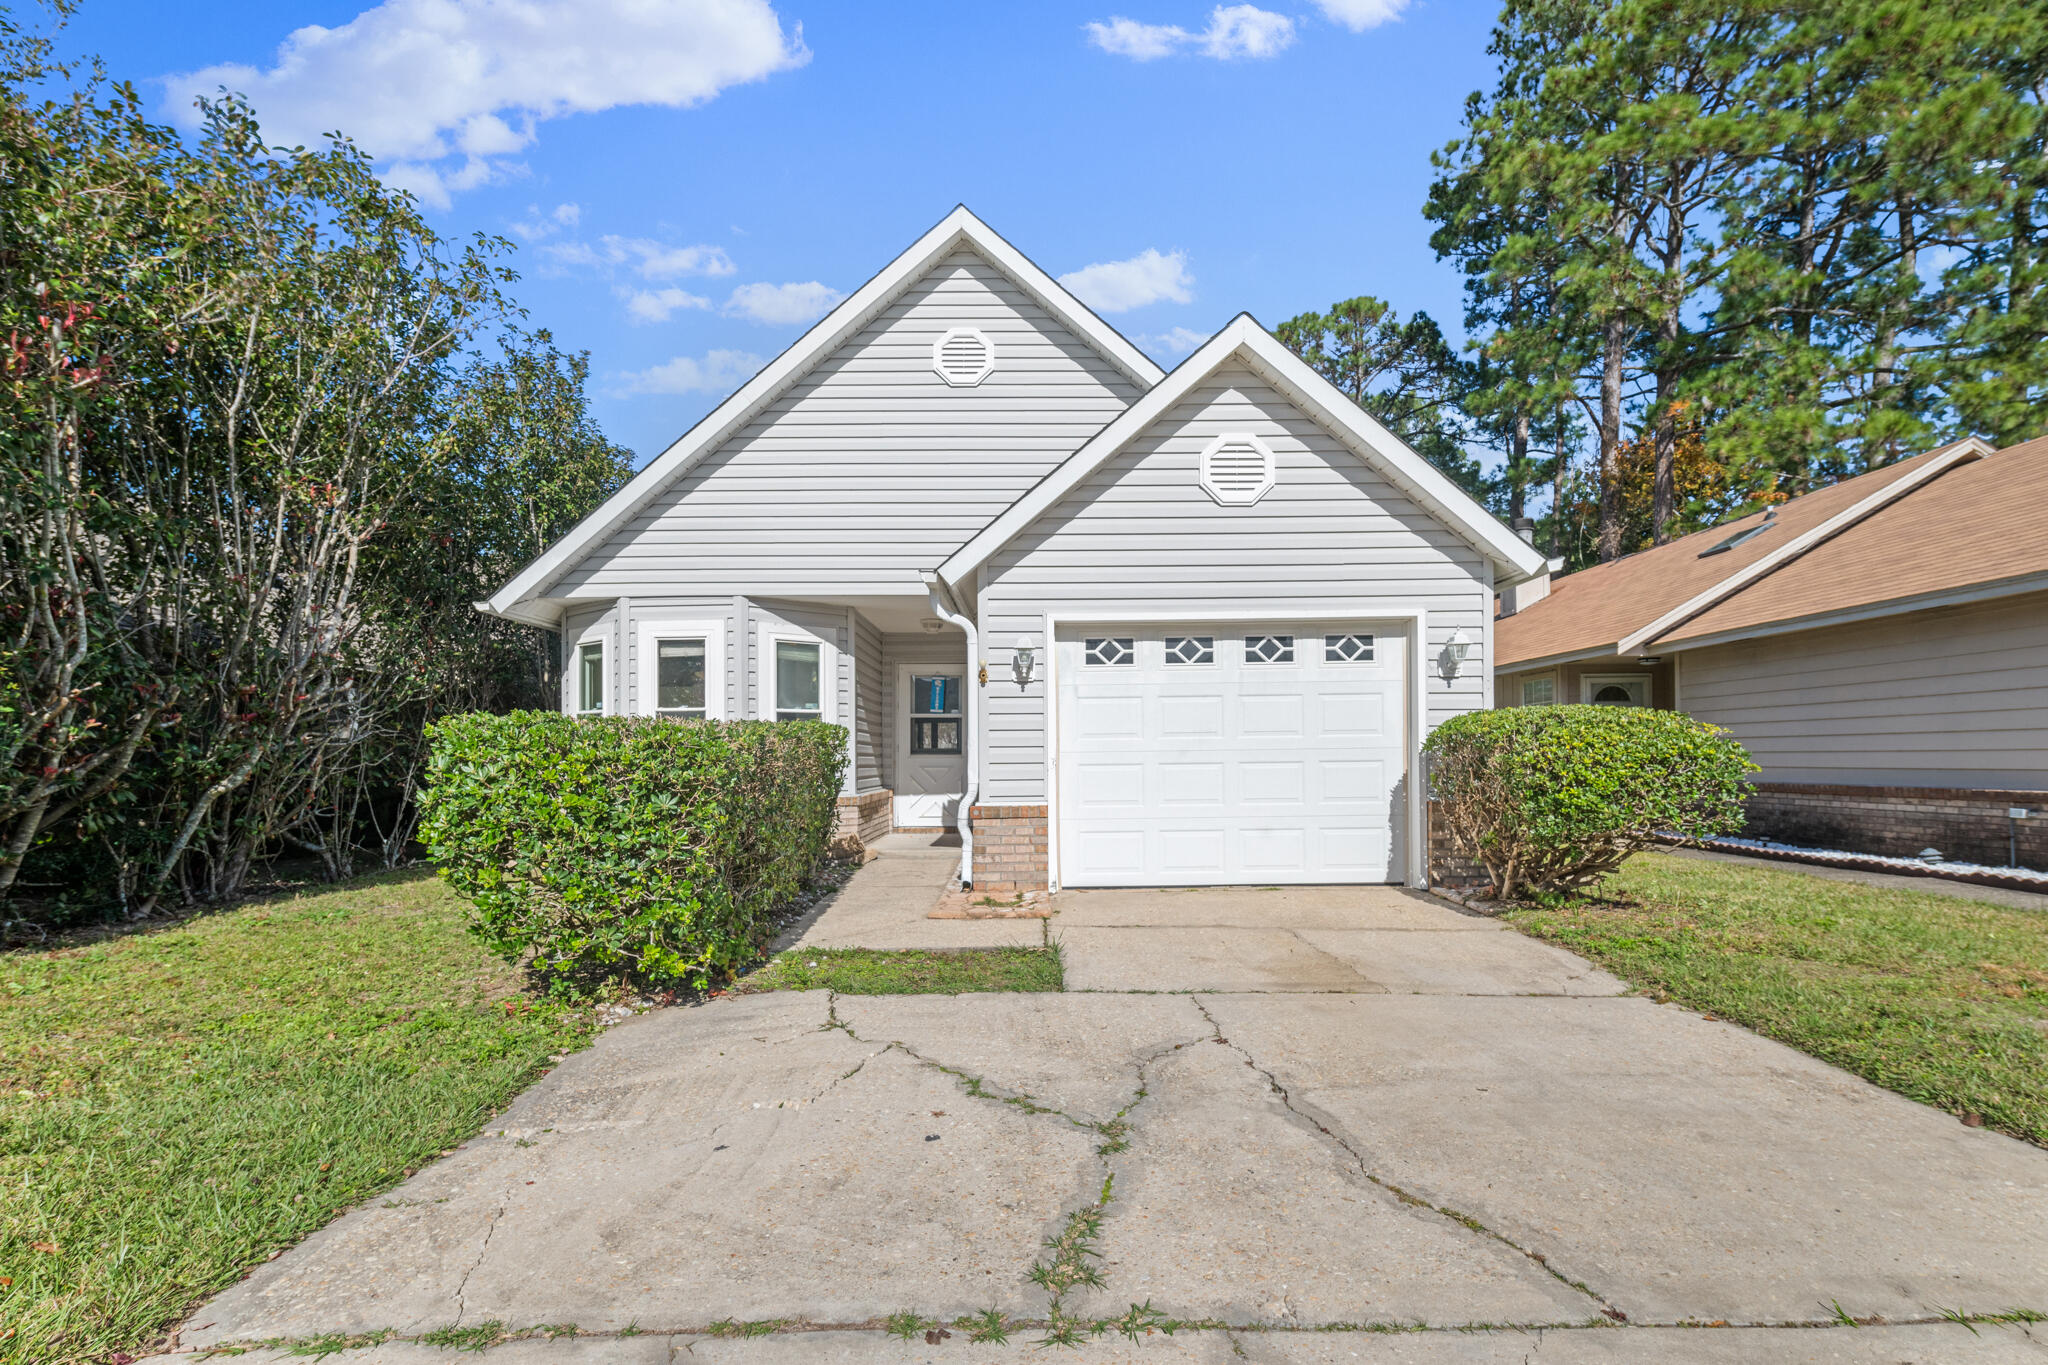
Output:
x=641 y=610
x=865 y=731
x=871 y=468
x=1954 y=697
x=830 y=624
x=1140 y=534
x=576 y=625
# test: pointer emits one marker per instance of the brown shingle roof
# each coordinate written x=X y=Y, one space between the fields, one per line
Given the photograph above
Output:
x=1595 y=609
x=1979 y=523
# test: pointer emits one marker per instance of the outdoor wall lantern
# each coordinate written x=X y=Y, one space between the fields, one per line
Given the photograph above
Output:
x=1021 y=663
x=1456 y=650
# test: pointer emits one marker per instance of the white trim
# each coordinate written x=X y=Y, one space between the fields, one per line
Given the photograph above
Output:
x=1592 y=682
x=1414 y=620
x=955 y=229
x=1846 y=616
x=1237 y=497
x=599 y=633
x=766 y=637
x=961 y=381
x=713 y=632
x=1937 y=463
x=1244 y=339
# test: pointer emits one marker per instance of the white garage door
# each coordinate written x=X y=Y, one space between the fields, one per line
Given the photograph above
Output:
x=1226 y=753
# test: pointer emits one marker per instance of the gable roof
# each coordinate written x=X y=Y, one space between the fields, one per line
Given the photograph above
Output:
x=1631 y=603
x=1980 y=529
x=1244 y=340
x=958 y=228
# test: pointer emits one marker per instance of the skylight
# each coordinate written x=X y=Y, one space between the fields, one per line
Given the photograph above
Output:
x=1742 y=536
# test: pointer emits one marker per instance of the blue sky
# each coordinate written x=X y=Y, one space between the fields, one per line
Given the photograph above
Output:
x=691 y=183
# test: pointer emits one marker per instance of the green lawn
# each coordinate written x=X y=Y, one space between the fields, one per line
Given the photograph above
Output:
x=1937 y=997
x=874 y=971
x=177 y=1105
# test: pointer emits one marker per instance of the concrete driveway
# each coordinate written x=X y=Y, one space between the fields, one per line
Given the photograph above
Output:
x=1269 y=1113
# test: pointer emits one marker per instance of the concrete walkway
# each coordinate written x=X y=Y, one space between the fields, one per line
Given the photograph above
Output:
x=1271 y=1113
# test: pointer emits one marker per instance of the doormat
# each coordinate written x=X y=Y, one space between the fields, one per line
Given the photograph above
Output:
x=955 y=903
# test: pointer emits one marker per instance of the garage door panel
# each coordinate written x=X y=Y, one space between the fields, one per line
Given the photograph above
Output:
x=1225 y=769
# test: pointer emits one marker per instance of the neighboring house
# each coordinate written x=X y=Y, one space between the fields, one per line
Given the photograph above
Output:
x=1881 y=646
x=1185 y=628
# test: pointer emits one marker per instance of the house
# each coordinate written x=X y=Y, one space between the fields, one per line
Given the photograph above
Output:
x=1122 y=627
x=1880 y=645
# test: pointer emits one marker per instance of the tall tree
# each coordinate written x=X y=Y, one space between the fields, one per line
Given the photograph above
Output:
x=1402 y=372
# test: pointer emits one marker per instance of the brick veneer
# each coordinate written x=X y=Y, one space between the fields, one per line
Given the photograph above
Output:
x=1447 y=867
x=1964 y=823
x=864 y=817
x=1009 y=849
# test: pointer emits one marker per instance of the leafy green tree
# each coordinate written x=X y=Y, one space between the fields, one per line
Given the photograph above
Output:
x=1402 y=372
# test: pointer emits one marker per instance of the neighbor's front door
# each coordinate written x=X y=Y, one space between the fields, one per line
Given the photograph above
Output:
x=931 y=762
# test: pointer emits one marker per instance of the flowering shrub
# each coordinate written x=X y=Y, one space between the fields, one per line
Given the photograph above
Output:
x=656 y=848
x=1547 y=798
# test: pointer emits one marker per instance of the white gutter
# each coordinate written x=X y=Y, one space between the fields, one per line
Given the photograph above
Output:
x=970 y=709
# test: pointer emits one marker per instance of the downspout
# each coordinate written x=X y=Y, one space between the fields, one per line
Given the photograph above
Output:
x=971 y=713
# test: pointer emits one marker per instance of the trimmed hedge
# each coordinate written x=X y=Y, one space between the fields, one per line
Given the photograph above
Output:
x=657 y=848
x=1548 y=798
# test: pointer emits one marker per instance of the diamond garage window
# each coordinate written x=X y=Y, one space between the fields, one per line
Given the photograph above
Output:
x=590 y=679
x=935 y=714
x=1191 y=649
x=1347 y=649
x=679 y=679
x=1121 y=649
x=798 y=687
x=1269 y=649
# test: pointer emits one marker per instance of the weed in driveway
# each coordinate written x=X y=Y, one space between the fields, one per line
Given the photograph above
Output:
x=988 y=1327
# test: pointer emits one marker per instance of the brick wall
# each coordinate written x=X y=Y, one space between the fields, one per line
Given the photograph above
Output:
x=1964 y=824
x=863 y=818
x=1009 y=849
x=1446 y=867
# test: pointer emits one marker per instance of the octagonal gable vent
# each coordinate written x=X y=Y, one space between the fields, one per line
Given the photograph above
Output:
x=963 y=357
x=1237 y=469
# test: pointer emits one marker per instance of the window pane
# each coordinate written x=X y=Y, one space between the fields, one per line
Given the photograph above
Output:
x=1269 y=649
x=1190 y=649
x=796 y=681
x=1112 y=650
x=1539 y=691
x=590 y=678
x=935 y=736
x=679 y=675
x=937 y=695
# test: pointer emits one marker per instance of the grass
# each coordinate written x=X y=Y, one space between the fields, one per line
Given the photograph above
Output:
x=875 y=971
x=1940 y=998
x=177 y=1105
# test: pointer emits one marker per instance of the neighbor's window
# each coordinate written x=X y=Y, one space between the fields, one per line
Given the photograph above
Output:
x=935 y=714
x=590 y=679
x=1539 y=691
x=679 y=679
x=799 y=693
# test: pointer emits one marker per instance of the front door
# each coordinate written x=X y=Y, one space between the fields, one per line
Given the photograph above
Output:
x=931 y=762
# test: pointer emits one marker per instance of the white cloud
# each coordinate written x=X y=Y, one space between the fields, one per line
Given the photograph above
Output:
x=1174 y=341
x=717 y=372
x=782 y=304
x=657 y=305
x=1234 y=31
x=441 y=91
x=536 y=226
x=1246 y=31
x=648 y=259
x=1118 y=286
x=1360 y=15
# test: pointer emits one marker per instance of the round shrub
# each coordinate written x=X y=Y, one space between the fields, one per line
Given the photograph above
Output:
x=1548 y=798
x=654 y=848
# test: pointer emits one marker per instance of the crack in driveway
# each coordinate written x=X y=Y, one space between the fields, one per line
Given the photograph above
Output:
x=1350 y=1149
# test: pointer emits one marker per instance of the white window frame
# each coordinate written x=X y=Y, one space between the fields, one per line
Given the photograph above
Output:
x=713 y=633
x=1590 y=683
x=601 y=636
x=1522 y=685
x=770 y=634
